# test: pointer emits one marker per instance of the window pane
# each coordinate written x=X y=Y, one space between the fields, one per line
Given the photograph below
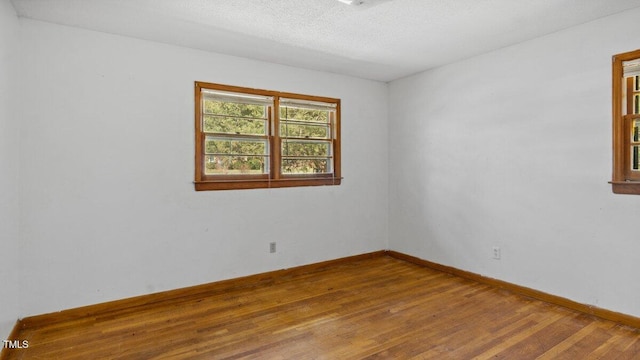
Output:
x=635 y=131
x=310 y=148
x=234 y=125
x=235 y=165
x=306 y=166
x=302 y=114
x=635 y=157
x=236 y=97
x=288 y=129
x=234 y=117
x=636 y=104
x=234 y=109
x=224 y=146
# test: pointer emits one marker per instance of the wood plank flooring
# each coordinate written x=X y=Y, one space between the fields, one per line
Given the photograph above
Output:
x=379 y=308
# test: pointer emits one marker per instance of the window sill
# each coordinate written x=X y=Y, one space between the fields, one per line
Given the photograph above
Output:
x=262 y=184
x=625 y=187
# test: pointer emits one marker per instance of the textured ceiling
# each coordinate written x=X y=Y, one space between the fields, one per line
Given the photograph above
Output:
x=380 y=39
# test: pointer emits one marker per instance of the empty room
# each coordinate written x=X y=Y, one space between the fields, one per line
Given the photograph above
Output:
x=319 y=179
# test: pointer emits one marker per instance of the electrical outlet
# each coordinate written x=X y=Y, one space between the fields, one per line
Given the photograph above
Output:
x=496 y=252
x=272 y=247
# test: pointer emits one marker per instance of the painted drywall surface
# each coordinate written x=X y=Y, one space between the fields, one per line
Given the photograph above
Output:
x=9 y=160
x=513 y=149
x=110 y=209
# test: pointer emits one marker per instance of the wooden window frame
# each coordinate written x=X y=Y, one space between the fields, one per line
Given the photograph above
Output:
x=274 y=178
x=624 y=180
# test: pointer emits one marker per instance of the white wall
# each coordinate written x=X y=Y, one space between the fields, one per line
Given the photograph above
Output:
x=513 y=149
x=9 y=157
x=107 y=171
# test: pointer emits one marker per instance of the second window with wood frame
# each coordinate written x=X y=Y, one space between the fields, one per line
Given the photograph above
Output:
x=626 y=123
x=251 y=138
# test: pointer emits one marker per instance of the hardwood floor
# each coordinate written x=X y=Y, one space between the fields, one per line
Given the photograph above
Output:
x=378 y=308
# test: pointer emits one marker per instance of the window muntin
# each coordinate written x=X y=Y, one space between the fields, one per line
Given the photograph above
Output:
x=248 y=138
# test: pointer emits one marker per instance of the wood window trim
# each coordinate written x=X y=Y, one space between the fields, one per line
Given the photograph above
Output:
x=274 y=179
x=623 y=180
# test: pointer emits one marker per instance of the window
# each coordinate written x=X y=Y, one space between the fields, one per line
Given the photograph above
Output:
x=249 y=138
x=626 y=123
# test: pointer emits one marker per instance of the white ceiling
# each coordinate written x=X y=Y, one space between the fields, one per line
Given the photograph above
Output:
x=380 y=39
